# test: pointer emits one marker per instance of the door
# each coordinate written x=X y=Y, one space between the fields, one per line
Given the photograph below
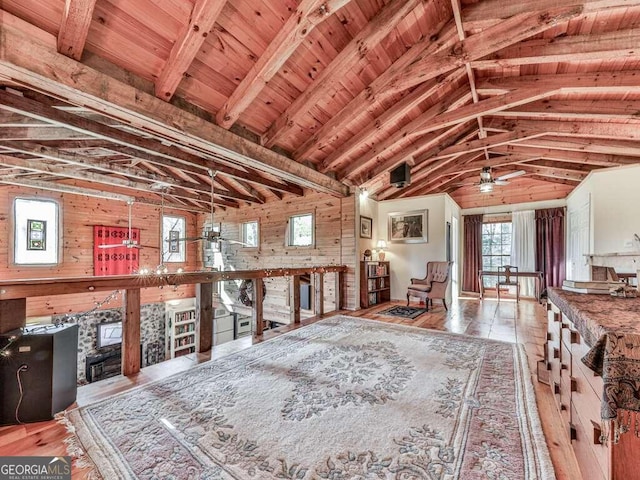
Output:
x=455 y=256
x=578 y=246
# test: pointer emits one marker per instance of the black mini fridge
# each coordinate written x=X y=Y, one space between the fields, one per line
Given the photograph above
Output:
x=38 y=372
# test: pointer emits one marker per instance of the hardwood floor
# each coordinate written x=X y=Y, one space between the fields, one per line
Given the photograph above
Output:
x=523 y=322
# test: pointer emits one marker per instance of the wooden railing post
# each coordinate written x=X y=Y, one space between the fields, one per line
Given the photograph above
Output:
x=318 y=295
x=294 y=298
x=13 y=314
x=204 y=316
x=258 y=297
x=339 y=290
x=131 y=332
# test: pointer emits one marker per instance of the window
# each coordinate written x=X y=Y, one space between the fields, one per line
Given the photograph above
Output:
x=174 y=231
x=301 y=230
x=35 y=232
x=496 y=248
x=250 y=234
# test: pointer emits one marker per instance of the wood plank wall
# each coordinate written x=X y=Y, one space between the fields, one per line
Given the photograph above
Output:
x=335 y=244
x=79 y=215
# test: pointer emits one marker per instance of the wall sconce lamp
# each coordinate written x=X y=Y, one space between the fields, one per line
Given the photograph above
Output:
x=364 y=193
x=381 y=245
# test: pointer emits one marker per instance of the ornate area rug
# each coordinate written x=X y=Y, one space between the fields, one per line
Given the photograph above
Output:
x=402 y=311
x=344 y=398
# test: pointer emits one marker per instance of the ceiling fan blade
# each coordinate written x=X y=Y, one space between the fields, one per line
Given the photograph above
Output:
x=121 y=245
x=236 y=242
x=500 y=182
x=507 y=176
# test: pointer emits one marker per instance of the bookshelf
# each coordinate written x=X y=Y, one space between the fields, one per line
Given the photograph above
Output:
x=181 y=331
x=375 y=283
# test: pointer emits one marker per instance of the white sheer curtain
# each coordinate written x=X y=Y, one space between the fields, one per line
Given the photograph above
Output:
x=523 y=247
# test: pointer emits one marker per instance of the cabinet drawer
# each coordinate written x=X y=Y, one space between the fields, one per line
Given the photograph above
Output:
x=564 y=398
x=592 y=458
x=568 y=334
x=595 y=381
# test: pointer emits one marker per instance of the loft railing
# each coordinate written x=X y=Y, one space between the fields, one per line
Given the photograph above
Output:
x=14 y=294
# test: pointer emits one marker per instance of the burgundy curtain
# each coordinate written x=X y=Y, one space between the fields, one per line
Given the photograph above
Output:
x=472 y=252
x=550 y=246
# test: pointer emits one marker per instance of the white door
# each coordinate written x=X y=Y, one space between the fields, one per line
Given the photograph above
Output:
x=454 y=256
x=578 y=245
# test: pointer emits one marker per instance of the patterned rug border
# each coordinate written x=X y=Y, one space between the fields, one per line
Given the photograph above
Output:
x=83 y=455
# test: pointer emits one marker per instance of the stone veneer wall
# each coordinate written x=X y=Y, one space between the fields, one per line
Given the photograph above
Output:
x=152 y=324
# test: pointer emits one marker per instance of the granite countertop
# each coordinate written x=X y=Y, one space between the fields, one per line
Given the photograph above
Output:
x=597 y=315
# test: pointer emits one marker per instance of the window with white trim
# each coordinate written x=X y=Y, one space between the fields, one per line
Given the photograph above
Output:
x=36 y=231
x=496 y=248
x=250 y=234
x=301 y=230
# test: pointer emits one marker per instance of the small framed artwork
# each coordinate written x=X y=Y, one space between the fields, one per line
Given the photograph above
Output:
x=174 y=242
x=409 y=227
x=36 y=235
x=366 y=227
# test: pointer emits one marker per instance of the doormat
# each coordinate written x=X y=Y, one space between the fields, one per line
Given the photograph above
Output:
x=402 y=311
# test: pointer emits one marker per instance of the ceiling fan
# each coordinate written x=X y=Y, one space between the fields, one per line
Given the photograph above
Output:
x=127 y=242
x=210 y=233
x=487 y=181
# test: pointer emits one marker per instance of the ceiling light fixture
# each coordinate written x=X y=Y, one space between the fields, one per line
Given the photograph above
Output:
x=486 y=187
x=364 y=193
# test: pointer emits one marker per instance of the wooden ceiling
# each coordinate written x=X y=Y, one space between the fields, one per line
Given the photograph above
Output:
x=139 y=98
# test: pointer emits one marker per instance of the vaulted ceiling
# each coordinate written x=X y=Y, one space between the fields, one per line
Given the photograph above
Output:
x=144 y=98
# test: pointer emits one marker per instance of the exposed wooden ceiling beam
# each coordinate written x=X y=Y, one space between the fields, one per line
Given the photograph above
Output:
x=568 y=109
x=151 y=149
x=488 y=12
x=76 y=20
x=186 y=47
x=451 y=104
x=359 y=46
x=603 y=82
x=307 y=16
x=427 y=145
x=439 y=61
x=605 y=160
x=474 y=47
x=63 y=172
x=619 y=44
x=389 y=118
x=441 y=36
x=622 y=131
x=555 y=172
x=481 y=144
x=34 y=63
x=50 y=132
x=613 y=147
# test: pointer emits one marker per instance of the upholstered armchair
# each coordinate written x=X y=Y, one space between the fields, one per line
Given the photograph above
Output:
x=433 y=285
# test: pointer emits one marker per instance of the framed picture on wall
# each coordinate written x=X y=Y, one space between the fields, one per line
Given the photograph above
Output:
x=409 y=227
x=366 y=227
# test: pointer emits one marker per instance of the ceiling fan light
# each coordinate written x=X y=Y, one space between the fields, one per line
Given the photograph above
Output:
x=486 y=187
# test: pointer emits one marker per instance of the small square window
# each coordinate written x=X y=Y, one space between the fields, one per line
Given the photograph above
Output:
x=301 y=230
x=174 y=230
x=35 y=232
x=250 y=234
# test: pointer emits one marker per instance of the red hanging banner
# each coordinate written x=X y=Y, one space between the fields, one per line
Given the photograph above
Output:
x=120 y=260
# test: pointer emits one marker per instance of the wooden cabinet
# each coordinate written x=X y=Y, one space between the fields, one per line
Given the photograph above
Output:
x=181 y=335
x=578 y=392
x=375 y=283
